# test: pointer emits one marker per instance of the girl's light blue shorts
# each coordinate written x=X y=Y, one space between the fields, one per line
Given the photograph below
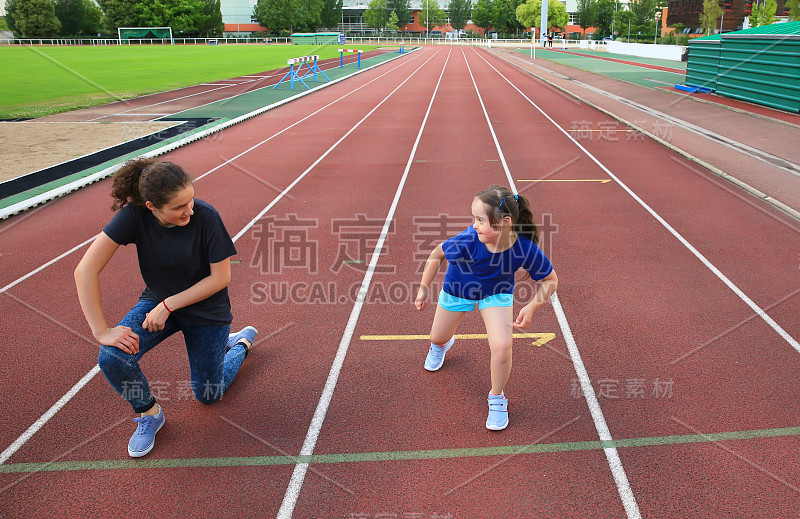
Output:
x=459 y=304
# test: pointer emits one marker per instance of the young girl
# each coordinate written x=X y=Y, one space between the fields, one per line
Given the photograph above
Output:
x=184 y=255
x=482 y=262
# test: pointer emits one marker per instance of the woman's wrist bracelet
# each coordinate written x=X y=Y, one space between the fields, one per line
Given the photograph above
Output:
x=164 y=302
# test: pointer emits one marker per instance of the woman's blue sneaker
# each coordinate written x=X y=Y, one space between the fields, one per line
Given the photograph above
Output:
x=248 y=332
x=435 y=357
x=498 y=413
x=144 y=439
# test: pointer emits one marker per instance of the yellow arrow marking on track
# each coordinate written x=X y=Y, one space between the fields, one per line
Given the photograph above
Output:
x=541 y=338
x=601 y=180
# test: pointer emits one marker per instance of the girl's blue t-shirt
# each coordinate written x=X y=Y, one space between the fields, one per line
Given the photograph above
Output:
x=476 y=273
x=172 y=259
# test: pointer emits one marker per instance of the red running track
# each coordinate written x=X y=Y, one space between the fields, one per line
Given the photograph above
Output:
x=412 y=144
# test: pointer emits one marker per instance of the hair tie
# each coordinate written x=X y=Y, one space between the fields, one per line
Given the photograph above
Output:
x=501 y=203
x=516 y=197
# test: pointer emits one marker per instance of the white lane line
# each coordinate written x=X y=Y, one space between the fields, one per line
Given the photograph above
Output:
x=612 y=456
x=38 y=424
x=28 y=434
x=299 y=473
x=722 y=277
x=171 y=100
x=41 y=268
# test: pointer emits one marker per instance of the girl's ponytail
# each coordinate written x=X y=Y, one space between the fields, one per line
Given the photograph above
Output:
x=125 y=188
x=501 y=202
x=523 y=224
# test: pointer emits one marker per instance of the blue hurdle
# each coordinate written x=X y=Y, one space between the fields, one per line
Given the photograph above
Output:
x=293 y=73
x=341 y=56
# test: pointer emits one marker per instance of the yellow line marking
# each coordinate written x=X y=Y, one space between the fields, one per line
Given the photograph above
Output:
x=541 y=338
x=601 y=180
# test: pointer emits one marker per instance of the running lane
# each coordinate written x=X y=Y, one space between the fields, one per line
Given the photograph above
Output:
x=270 y=406
x=423 y=424
x=670 y=348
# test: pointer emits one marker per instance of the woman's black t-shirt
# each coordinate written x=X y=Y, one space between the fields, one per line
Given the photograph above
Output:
x=172 y=259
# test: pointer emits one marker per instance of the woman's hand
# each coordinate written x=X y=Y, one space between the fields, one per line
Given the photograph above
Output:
x=422 y=298
x=155 y=319
x=120 y=337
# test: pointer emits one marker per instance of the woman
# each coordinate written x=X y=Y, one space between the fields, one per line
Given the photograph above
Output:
x=184 y=255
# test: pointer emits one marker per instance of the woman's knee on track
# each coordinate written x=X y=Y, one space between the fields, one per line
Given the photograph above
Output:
x=207 y=392
x=111 y=359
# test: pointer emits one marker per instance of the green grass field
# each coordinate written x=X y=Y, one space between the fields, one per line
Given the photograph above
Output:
x=38 y=81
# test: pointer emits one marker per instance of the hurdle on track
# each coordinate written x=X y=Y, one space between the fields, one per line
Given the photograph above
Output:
x=402 y=48
x=341 y=56
x=294 y=72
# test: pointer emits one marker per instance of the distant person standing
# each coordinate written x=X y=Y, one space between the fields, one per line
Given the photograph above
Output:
x=550 y=39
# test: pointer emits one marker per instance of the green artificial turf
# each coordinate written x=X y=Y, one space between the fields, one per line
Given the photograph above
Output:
x=38 y=80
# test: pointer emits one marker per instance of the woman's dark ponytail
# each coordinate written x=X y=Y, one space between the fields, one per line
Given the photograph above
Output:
x=145 y=180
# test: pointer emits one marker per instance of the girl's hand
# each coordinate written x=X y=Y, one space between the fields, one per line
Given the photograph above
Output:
x=119 y=337
x=422 y=298
x=524 y=317
x=154 y=322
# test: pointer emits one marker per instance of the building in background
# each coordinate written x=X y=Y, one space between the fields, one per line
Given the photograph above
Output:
x=735 y=16
x=237 y=16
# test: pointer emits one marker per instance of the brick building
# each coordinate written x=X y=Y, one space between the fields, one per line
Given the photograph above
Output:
x=688 y=13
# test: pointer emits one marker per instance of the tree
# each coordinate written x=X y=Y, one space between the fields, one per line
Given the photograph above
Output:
x=794 y=10
x=32 y=18
x=711 y=13
x=430 y=15
x=92 y=18
x=505 y=15
x=460 y=13
x=643 y=10
x=586 y=14
x=763 y=14
x=623 y=20
x=529 y=14
x=402 y=9
x=118 y=13
x=184 y=16
x=288 y=15
x=331 y=13
x=70 y=13
x=482 y=15
x=213 y=23
x=376 y=15
x=605 y=15
x=392 y=23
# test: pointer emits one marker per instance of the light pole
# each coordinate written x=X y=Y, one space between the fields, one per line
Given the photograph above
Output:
x=544 y=22
x=655 y=37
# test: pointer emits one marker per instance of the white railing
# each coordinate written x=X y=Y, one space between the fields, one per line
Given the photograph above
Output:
x=355 y=40
x=153 y=41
